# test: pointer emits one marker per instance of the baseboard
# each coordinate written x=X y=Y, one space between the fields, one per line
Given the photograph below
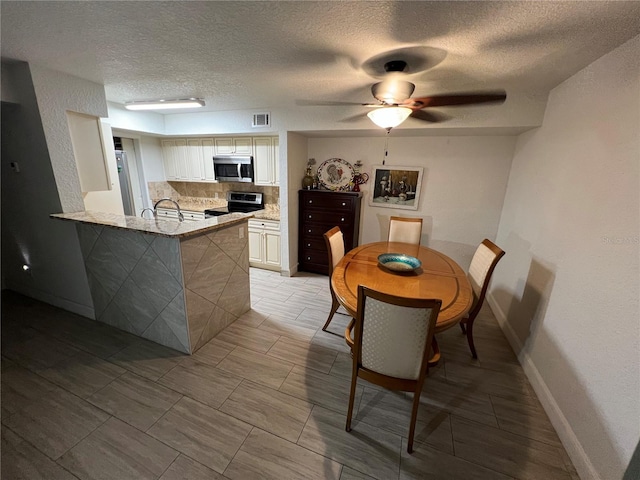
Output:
x=567 y=436
x=63 y=303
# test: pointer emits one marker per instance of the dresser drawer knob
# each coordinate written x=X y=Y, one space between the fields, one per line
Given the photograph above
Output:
x=309 y=231
x=309 y=216
x=308 y=245
x=344 y=204
x=308 y=258
x=342 y=219
x=310 y=201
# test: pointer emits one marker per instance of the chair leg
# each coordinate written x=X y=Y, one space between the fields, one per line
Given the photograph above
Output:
x=352 y=396
x=334 y=307
x=470 y=340
x=414 y=416
x=462 y=327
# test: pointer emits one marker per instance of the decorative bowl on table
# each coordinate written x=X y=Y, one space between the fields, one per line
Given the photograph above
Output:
x=399 y=262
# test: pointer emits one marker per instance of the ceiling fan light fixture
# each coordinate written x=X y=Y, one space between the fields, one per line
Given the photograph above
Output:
x=165 y=104
x=389 y=117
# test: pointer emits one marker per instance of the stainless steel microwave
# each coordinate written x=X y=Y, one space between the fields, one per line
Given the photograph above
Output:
x=233 y=168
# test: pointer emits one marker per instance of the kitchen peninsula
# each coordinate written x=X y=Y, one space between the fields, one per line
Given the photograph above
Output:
x=175 y=283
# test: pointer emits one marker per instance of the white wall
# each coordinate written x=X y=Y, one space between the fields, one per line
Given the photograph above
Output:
x=29 y=196
x=108 y=201
x=56 y=93
x=463 y=187
x=121 y=118
x=297 y=147
x=567 y=290
x=8 y=92
x=151 y=153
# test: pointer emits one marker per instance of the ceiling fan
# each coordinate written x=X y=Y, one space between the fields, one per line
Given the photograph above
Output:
x=395 y=103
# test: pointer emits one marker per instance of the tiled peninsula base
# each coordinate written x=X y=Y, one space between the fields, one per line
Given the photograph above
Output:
x=176 y=291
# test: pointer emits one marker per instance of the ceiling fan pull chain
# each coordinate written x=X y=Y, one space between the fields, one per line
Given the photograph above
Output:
x=386 y=146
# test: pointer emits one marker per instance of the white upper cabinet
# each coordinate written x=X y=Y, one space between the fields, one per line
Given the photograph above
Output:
x=265 y=161
x=182 y=169
x=276 y=160
x=169 y=155
x=233 y=146
x=195 y=162
x=208 y=151
x=191 y=160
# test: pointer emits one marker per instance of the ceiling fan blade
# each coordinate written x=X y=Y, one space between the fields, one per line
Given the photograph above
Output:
x=431 y=117
x=353 y=118
x=455 y=99
x=325 y=103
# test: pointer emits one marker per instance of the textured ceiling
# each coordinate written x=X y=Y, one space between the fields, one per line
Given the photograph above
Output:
x=254 y=55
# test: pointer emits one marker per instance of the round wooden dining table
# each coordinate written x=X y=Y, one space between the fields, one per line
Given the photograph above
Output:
x=438 y=277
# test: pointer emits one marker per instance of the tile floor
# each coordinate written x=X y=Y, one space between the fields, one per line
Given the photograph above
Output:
x=266 y=398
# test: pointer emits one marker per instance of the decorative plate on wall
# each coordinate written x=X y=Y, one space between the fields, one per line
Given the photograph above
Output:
x=335 y=174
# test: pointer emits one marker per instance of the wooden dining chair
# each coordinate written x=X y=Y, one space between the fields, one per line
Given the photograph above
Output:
x=483 y=263
x=335 y=248
x=405 y=229
x=391 y=342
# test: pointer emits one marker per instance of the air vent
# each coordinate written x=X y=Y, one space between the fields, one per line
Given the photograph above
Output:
x=261 y=120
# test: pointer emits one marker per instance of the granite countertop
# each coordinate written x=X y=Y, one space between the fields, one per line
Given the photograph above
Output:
x=270 y=212
x=157 y=226
x=267 y=214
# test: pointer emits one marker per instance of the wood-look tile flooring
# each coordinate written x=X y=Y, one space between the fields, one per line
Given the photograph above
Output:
x=265 y=399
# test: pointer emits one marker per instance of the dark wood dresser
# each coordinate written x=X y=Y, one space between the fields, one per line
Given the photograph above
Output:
x=321 y=210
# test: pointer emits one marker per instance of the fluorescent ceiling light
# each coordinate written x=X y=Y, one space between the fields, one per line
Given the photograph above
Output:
x=389 y=117
x=165 y=104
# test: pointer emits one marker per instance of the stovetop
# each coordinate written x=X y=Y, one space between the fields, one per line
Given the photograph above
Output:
x=242 y=202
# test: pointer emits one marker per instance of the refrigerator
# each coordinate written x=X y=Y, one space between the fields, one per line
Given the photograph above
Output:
x=125 y=183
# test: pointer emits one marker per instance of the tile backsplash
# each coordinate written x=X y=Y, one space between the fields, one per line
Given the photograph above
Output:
x=206 y=192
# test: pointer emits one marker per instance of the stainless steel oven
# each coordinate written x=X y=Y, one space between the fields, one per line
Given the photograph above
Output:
x=233 y=168
x=243 y=202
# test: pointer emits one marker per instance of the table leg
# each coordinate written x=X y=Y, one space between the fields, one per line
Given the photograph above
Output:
x=435 y=353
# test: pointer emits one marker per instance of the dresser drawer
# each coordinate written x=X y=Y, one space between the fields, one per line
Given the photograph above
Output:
x=333 y=218
x=313 y=243
x=328 y=201
x=312 y=263
x=318 y=229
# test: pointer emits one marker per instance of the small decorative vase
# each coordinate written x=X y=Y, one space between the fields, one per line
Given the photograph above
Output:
x=307 y=180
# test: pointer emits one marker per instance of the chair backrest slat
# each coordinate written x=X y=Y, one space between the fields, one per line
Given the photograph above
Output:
x=334 y=240
x=405 y=229
x=483 y=263
x=393 y=338
x=392 y=335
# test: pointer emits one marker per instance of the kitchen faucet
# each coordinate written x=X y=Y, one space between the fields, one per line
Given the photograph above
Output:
x=155 y=207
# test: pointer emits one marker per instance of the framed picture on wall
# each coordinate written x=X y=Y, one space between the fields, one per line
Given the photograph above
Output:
x=395 y=187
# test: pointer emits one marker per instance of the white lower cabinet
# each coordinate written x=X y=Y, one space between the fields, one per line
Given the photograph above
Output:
x=172 y=214
x=264 y=244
